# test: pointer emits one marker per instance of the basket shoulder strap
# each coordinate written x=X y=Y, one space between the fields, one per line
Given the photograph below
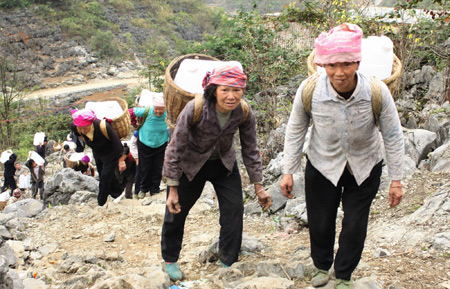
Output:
x=307 y=92
x=377 y=100
x=198 y=108
x=146 y=111
x=103 y=128
x=245 y=110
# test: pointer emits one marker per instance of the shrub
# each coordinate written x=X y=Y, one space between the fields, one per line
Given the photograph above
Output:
x=105 y=44
x=11 y=4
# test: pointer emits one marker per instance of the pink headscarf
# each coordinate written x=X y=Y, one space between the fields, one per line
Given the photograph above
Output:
x=83 y=117
x=341 y=44
x=228 y=76
x=85 y=159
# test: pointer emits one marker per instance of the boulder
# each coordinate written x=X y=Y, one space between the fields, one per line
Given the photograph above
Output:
x=64 y=183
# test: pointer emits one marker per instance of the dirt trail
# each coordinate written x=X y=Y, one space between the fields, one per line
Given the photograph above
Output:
x=99 y=84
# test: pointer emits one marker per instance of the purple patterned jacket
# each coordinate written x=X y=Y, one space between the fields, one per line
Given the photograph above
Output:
x=192 y=145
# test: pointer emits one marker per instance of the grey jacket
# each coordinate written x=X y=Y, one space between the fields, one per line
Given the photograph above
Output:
x=344 y=132
x=192 y=144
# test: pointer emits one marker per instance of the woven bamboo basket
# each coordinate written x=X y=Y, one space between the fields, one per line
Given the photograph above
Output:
x=391 y=81
x=122 y=123
x=175 y=97
x=69 y=163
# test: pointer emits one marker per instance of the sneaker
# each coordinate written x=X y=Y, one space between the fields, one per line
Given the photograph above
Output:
x=320 y=278
x=141 y=195
x=173 y=270
x=136 y=197
x=343 y=284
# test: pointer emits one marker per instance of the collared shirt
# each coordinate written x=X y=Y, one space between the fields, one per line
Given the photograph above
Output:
x=192 y=145
x=344 y=132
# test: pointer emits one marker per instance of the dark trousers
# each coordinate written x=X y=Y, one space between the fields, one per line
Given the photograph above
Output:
x=109 y=185
x=151 y=162
x=322 y=202
x=137 y=181
x=126 y=178
x=228 y=188
x=35 y=187
x=9 y=182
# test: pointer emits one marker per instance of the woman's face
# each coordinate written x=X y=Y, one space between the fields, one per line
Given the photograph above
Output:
x=342 y=75
x=228 y=97
x=84 y=129
x=159 y=110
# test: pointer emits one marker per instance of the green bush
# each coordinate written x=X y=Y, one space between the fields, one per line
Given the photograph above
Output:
x=252 y=40
x=11 y=4
x=105 y=44
x=56 y=127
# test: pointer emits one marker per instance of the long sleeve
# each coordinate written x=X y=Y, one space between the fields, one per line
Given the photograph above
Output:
x=295 y=135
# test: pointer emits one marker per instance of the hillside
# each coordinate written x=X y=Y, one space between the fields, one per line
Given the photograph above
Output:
x=76 y=41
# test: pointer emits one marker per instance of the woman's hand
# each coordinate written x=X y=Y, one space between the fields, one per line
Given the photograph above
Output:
x=287 y=184
x=172 y=201
x=395 y=193
x=264 y=198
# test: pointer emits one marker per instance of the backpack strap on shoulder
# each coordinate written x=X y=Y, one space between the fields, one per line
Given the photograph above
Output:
x=308 y=91
x=245 y=110
x=377 y=100
x=146 y=111
x=103 y=128
x=198 y=108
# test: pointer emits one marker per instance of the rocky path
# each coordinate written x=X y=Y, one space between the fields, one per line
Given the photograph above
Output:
x=110 y=244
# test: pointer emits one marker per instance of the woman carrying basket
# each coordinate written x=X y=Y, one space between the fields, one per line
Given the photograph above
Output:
x=344 y=155
x=203 y=151
x=151 y=143
x=106 y=151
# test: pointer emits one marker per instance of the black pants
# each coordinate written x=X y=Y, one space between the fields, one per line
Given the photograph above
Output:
x=126 y=178
x=37 y=187
x=228 y=188
x=109 y=185
x=150 y=166
x=137 y=181
x=9 y=182
x=322 y=202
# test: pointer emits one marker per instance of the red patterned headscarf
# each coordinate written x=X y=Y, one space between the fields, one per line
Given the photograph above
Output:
x=83 y=117
x=228 y=76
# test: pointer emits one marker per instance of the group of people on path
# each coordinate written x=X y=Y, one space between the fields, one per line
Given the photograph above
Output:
x=19 y=179
x=343 y=159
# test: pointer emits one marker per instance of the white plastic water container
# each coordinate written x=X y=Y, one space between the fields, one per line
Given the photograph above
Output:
x=76 y=156
x=36 y=158
x=105 y=109
x=38 y=138
x=191 y=72
x=5 y=156
x=377 y=56
x=146 y=97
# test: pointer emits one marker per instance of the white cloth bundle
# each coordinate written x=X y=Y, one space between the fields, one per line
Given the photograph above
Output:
x=5 y=156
